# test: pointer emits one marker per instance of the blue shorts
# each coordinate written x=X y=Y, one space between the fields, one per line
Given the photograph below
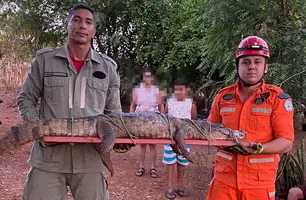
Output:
x=171 y=158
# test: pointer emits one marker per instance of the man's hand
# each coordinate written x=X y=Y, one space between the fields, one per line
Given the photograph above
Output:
x=123 y=148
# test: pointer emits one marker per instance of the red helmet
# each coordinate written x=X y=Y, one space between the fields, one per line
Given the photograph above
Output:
x=253 y=45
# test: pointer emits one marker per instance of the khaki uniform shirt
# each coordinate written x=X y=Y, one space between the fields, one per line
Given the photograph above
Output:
x=65 y=93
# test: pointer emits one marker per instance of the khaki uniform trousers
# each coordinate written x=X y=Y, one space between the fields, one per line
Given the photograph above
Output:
x=43 y=185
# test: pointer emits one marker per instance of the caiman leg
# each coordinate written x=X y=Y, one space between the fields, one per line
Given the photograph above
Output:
x=107 y=134
x=180 y=146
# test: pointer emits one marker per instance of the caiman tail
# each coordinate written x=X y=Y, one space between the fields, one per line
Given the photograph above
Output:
x=20 y=134
x=29 y=131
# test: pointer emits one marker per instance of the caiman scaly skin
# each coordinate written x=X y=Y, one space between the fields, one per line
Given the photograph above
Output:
x=141 y=125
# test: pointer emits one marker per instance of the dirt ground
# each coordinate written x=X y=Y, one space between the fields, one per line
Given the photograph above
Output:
x=123 y=186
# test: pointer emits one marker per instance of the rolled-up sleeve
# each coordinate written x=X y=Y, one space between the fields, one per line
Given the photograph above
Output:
x=112 y=104
x=30 y=92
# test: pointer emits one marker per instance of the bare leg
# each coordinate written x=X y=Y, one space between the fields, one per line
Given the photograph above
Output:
x=295 y=194
x=170 y=172
x=143 y=148
x=141 y=170
x=180 y=176
x=153 y=152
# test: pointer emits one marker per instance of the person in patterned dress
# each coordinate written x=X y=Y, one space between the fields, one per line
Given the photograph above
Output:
x=147 y=97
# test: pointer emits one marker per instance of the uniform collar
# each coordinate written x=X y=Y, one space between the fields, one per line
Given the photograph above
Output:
x=260 y=89
x=64 y=53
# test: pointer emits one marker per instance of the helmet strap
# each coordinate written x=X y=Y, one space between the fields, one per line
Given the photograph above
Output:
x=248 y=84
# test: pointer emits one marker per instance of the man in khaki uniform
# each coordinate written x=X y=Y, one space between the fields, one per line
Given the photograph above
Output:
x=72 y=81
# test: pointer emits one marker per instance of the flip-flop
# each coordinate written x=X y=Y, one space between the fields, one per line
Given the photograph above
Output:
x=153 y=173
x=180 y=192
x=140 y=171
x=171 y=195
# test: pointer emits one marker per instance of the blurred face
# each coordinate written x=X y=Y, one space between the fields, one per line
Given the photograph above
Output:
x=81 y=27
x=180 y=92
x=147 y=78
x=252 y=68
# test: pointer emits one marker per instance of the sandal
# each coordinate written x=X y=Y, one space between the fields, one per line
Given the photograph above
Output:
x=171 y=195
x=180 y=192
x=153 y=173
x=140 y=171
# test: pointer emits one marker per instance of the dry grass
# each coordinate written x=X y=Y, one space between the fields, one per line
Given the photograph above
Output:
x=12 y=74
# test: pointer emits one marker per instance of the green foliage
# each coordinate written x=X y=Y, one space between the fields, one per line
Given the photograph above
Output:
x=279 y=24
x=192 y=38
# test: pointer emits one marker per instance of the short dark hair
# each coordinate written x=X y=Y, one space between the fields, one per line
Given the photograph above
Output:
x=147 y=70
x=80 y=6
x=181 y=81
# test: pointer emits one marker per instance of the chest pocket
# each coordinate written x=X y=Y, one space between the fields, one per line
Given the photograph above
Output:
x=55 y=89
x=260 y=121
x=227 y=112
x=96 y=93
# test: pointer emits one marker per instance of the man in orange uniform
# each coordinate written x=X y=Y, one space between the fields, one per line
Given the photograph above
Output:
x=265 y=113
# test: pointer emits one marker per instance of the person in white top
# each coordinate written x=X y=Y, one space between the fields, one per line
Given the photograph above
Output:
x=179 y=106
x=147 y=97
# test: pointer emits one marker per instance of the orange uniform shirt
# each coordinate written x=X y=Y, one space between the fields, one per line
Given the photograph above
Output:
x=265 y=116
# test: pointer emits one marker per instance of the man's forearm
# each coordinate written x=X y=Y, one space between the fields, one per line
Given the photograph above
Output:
x=279 y=145
x=27 y=109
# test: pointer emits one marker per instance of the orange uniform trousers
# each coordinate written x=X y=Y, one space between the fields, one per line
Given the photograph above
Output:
x=221 y=191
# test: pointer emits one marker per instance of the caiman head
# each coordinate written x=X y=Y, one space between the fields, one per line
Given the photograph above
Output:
x=218 y=130
x=227 y=131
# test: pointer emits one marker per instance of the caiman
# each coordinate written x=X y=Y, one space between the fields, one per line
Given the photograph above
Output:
x=141 y=125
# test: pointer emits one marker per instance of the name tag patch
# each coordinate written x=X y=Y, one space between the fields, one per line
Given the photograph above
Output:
x=55 y=74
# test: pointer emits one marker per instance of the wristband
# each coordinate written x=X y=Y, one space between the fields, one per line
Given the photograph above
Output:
x=259 y=148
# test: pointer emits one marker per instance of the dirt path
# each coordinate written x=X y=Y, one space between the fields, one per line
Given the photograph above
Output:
x=123 y=186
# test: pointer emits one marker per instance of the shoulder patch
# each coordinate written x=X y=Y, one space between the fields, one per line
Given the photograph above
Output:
x=284 y=95
x=259 y=100
x=228 y=97
x=45 y=50
x=288 y=105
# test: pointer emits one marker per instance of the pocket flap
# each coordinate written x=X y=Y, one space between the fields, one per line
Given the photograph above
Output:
x=98 y=85
x=55 y=81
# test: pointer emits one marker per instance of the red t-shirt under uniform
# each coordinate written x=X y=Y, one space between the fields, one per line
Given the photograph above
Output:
x=78 y=64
